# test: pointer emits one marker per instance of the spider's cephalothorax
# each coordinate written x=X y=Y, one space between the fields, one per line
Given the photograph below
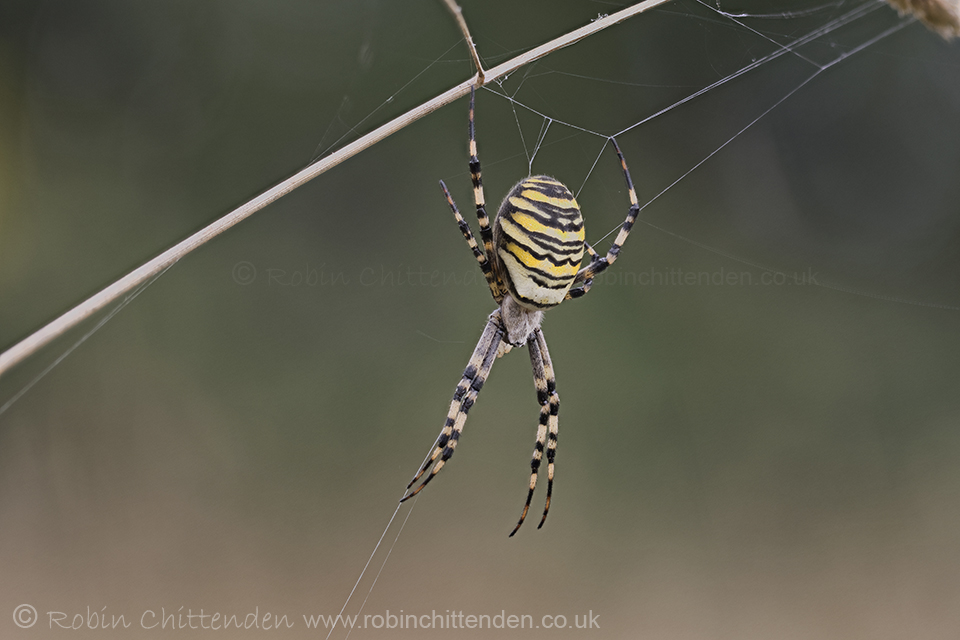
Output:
x=531 y=260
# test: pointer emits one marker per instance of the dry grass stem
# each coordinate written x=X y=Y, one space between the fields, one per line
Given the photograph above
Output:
x=458 y=14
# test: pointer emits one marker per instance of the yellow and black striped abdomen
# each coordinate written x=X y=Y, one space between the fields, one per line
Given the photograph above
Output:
x=538 y=235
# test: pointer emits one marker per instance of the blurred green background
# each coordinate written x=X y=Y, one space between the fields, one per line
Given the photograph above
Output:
x=739 y=460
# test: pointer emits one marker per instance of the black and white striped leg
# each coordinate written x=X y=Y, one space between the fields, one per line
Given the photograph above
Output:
x=584 y=279
x=553 y=424
x=581 y=285
x=591 y=251
x=540 y=380
x=486 y=233
x=482 y=260
x=549 y=422
x=464 y=397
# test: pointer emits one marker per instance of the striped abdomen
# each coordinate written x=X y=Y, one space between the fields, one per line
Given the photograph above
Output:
x=538 y=236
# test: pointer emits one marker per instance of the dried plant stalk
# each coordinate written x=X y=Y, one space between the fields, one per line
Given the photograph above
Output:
x=462 y=23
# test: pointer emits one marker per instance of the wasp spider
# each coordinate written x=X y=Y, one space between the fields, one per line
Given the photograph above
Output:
x=531 y=260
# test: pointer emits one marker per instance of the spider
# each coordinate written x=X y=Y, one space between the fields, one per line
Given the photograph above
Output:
x=531 y=261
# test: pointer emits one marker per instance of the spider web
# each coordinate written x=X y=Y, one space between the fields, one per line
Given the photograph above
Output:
x=818 y=49
x=800 y=45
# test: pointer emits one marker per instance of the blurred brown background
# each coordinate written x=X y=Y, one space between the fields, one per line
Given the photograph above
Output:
x=736 y=461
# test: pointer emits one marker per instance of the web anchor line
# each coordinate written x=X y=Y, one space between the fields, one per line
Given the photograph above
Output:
x=366 y=566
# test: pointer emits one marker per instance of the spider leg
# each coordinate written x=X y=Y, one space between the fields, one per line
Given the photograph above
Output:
x=540 y=380
x=472 y=243
x=584 y=278
x=486 y=233
x=545 y=381
x=554 y=423
x=464 y=397
x=593 y=254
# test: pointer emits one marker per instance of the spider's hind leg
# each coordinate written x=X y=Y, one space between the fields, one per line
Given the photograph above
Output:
x=464 y=397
